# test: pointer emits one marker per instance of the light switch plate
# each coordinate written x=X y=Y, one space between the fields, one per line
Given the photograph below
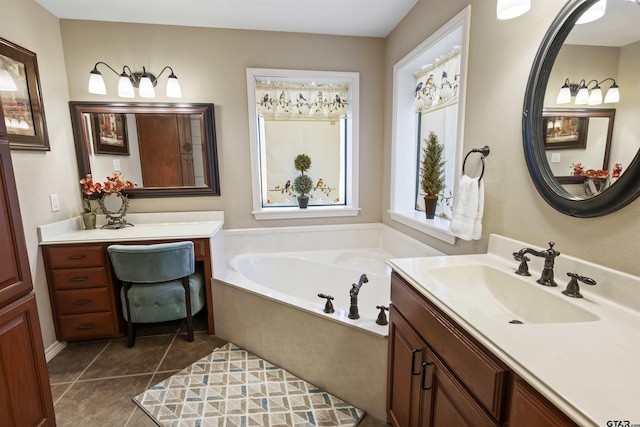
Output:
x=555 y=158
x=116 y=165
x=55 y=203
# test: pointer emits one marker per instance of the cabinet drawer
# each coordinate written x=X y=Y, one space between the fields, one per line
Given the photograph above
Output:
x=75 y=256
x=480 y=372
x=87 y=326
x=76 y=301
x=79 y=278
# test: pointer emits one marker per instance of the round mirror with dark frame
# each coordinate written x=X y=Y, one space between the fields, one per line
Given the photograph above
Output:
x=168 y=150
x=559 y=129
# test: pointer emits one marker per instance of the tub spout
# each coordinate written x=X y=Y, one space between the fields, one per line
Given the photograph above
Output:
x=353 y=293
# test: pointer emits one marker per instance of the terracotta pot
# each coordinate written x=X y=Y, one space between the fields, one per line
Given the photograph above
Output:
x=303 y=202
x=430 y=204
x=89 y=219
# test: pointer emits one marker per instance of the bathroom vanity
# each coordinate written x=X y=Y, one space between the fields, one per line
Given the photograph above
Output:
x=83 y=290
x=471 y=343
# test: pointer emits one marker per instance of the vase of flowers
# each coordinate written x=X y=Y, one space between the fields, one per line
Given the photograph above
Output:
x=96 y=191
x=432 y=173
x=303 y=184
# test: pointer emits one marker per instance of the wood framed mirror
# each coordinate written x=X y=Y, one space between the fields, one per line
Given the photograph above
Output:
x=168 y=150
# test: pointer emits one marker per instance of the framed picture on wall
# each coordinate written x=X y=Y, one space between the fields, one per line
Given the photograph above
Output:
x=110 y=133
x=564 y=131
x=22 y=98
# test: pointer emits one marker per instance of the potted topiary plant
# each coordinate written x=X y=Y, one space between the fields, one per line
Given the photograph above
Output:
x=302 y=184
x=432 y=173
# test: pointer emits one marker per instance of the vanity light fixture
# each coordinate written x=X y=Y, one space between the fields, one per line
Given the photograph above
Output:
x=7 y=84
x=508 y=9
x=587 y=96
x=129 y=80
x=595 y=12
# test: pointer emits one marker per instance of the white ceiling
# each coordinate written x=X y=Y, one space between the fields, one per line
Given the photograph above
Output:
x=370 y=18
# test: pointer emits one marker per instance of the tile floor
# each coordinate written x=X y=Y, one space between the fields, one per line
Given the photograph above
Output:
x=93 y=383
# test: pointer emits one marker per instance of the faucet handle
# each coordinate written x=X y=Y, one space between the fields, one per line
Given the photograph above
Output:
x=523 y=268
x=382 y=317
x=573 y=289
x=328 y=307
x=551 y=250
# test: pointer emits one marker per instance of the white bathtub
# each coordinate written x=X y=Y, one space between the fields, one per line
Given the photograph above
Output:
x=296 y=278
x=265 y=300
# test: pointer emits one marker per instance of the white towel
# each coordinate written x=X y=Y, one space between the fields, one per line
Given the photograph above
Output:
x=468 y=207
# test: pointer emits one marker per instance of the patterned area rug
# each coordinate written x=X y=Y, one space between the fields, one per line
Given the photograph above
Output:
x=232 y=387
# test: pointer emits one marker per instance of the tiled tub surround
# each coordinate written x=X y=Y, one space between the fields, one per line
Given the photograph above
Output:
x=345 y=357
x=588 y=369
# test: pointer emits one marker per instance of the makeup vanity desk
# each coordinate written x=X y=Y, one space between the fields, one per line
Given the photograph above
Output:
x=83 y=289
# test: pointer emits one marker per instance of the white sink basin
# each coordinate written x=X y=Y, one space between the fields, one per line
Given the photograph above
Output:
x=504 y=294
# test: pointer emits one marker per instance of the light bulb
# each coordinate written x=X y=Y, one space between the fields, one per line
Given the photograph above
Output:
x=96 y=83
x=594 y=12
x=508 y=9
x=173 y=87
x=146 y=88
x=125 y=88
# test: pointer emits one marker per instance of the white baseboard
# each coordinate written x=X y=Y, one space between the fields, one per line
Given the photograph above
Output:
x=53 y=350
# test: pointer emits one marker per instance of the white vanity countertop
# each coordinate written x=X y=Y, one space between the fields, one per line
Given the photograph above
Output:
x=591 y=369
x=149 y=226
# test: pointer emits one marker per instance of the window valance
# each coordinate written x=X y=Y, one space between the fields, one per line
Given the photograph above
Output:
x=291 y=101
x=437 y=84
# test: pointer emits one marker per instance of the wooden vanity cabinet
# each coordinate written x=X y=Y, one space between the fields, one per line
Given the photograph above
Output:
x=438 y=375
x=81 y=291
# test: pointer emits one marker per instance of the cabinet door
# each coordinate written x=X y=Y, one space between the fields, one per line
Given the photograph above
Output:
x=530 y=409
x=15 y=277
x=25 y=394
x=446 y=402
x=406 y=355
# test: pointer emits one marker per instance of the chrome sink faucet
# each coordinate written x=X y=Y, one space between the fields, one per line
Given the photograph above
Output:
x=353 y=293
x=549 y=255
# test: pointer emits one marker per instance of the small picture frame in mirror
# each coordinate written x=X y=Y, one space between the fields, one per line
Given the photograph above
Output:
x=565 y=131
x=110 y=133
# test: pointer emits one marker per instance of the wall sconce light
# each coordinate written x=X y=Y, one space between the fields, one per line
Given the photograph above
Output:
x=144 y=81
x=595 y=12
x=508 y=9
x=584 y=95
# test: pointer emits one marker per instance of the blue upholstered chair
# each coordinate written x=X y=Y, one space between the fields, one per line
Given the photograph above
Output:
x=160 y=283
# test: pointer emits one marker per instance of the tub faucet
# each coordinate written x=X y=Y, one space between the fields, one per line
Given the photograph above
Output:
x=549 y=255
x=353 y=293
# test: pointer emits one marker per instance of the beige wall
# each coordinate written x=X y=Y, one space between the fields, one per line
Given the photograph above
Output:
x=501 y=55
x=41 y=173
x=211 y=65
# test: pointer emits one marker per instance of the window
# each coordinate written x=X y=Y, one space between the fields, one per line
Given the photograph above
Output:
x=303 y=112
x=436 y=105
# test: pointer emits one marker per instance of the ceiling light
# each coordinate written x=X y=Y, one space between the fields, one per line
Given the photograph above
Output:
x=508 y=9
x=129 y=80
x=594 y=12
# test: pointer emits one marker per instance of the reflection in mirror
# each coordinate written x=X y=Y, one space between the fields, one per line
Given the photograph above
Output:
x=598 y=55
x=165 y=149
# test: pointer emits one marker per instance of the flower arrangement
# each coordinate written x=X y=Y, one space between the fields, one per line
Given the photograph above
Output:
x=90 y=189
x=578 y=170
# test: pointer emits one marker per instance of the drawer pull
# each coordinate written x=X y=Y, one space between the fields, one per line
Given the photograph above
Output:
x=413 y=361
x=78 y=279
x=424 y=374
x=81 y=302
x=74 y=257
x=85 y=327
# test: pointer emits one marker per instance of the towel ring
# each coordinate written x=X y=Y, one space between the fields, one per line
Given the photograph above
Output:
x=484 y=151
